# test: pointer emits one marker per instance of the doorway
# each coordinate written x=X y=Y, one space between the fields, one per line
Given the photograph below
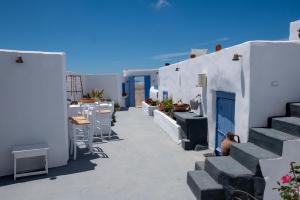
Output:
x=139 y=90
x=225 y=106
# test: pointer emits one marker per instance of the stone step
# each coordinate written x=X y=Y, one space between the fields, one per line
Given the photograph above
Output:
x=269 y=139
x=199 y=165
x=249 y=154
x=295 y=109
x=289 y=125
x=229 y=172
x=204 y=187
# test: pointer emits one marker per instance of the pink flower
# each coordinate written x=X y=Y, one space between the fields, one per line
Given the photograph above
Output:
x=286 y=179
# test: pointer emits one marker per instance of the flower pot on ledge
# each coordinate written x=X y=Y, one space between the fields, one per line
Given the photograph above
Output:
x=88 y=100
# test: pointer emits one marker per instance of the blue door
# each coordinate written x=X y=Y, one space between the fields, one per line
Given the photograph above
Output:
x=225 y=117
x=147 y=85
x=131 y=92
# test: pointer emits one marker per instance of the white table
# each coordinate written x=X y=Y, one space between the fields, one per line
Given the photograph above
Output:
x=29 y=151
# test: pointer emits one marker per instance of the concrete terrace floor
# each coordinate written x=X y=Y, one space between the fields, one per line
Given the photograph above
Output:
x=144 y=163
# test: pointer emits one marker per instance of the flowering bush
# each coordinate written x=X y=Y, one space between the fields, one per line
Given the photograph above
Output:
x=289 y=186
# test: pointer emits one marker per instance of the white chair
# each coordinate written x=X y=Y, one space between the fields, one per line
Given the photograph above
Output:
x=103 y=122
x=81 y=134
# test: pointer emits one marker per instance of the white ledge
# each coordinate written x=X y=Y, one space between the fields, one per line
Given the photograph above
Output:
x=168 y=125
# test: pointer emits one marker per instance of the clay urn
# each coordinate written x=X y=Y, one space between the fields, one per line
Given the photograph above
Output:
x=227 y=142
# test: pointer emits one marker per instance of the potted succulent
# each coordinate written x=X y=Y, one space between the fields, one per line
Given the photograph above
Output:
x=93 y=96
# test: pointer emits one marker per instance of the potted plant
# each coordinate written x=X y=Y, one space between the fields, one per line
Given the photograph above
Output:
x=181 y=107
x=92 y=97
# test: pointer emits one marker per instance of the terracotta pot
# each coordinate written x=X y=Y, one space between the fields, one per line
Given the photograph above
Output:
x=181 y=107
x=88 y=100
x=218 y=47
x=161 y=107
x=226 y=143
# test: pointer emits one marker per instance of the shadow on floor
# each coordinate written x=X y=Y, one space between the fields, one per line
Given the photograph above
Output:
x=124 y=109
x=114 y=137
x=81 y=164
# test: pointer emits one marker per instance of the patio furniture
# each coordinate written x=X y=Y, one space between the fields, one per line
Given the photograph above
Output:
x=103 y=121
x=30 y=151
x=81 y=133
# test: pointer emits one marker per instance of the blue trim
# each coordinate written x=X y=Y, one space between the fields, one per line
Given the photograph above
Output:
x=131 y=95
x=228 y=115
x=226 y=95
x=147 y=85
x=165 y=95
x=123 y=88
x=127 y=103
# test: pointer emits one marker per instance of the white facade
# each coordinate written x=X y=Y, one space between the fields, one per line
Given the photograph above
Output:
x=153 y=73
x=294 y=30
x=33 y=105
x=110 y=83
x=263 y=81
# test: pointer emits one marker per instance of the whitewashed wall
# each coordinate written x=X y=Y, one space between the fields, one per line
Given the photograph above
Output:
x=275 y=70
x=264 y=63
x=294 y=27
x=223 y=75
x=111 y=84
x=153 y=73
x=33 y=105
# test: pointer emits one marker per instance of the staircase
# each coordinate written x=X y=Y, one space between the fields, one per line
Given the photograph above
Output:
x=221 y=178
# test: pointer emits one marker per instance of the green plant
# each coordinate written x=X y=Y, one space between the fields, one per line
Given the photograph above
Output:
x=117 y=107
x=289 y=187
x=167 y=105
x=97 y=94
x=154 y=103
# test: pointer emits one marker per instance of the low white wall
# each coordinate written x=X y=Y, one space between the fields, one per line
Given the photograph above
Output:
x=148 y=110
x=168 y=125
x=294 y=27
x=282 y=167
x=111 y=84
x=33 y=105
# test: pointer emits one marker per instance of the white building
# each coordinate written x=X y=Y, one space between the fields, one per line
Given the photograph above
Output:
x=260 y=83
x=33 y=106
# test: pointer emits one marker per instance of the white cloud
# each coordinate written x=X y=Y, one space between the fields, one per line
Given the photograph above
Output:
x=170 y=56
x=213 y=41
x=161 y=4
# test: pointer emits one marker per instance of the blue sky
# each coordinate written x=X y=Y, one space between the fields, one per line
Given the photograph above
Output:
x=106 y=36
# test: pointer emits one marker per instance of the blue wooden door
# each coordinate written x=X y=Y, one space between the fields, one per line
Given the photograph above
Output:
x=127 y=91
x=131 y=92
x=225 y=117
x=147 y=85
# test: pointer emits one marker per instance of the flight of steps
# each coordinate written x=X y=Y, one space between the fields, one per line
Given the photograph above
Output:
x=219 y=178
